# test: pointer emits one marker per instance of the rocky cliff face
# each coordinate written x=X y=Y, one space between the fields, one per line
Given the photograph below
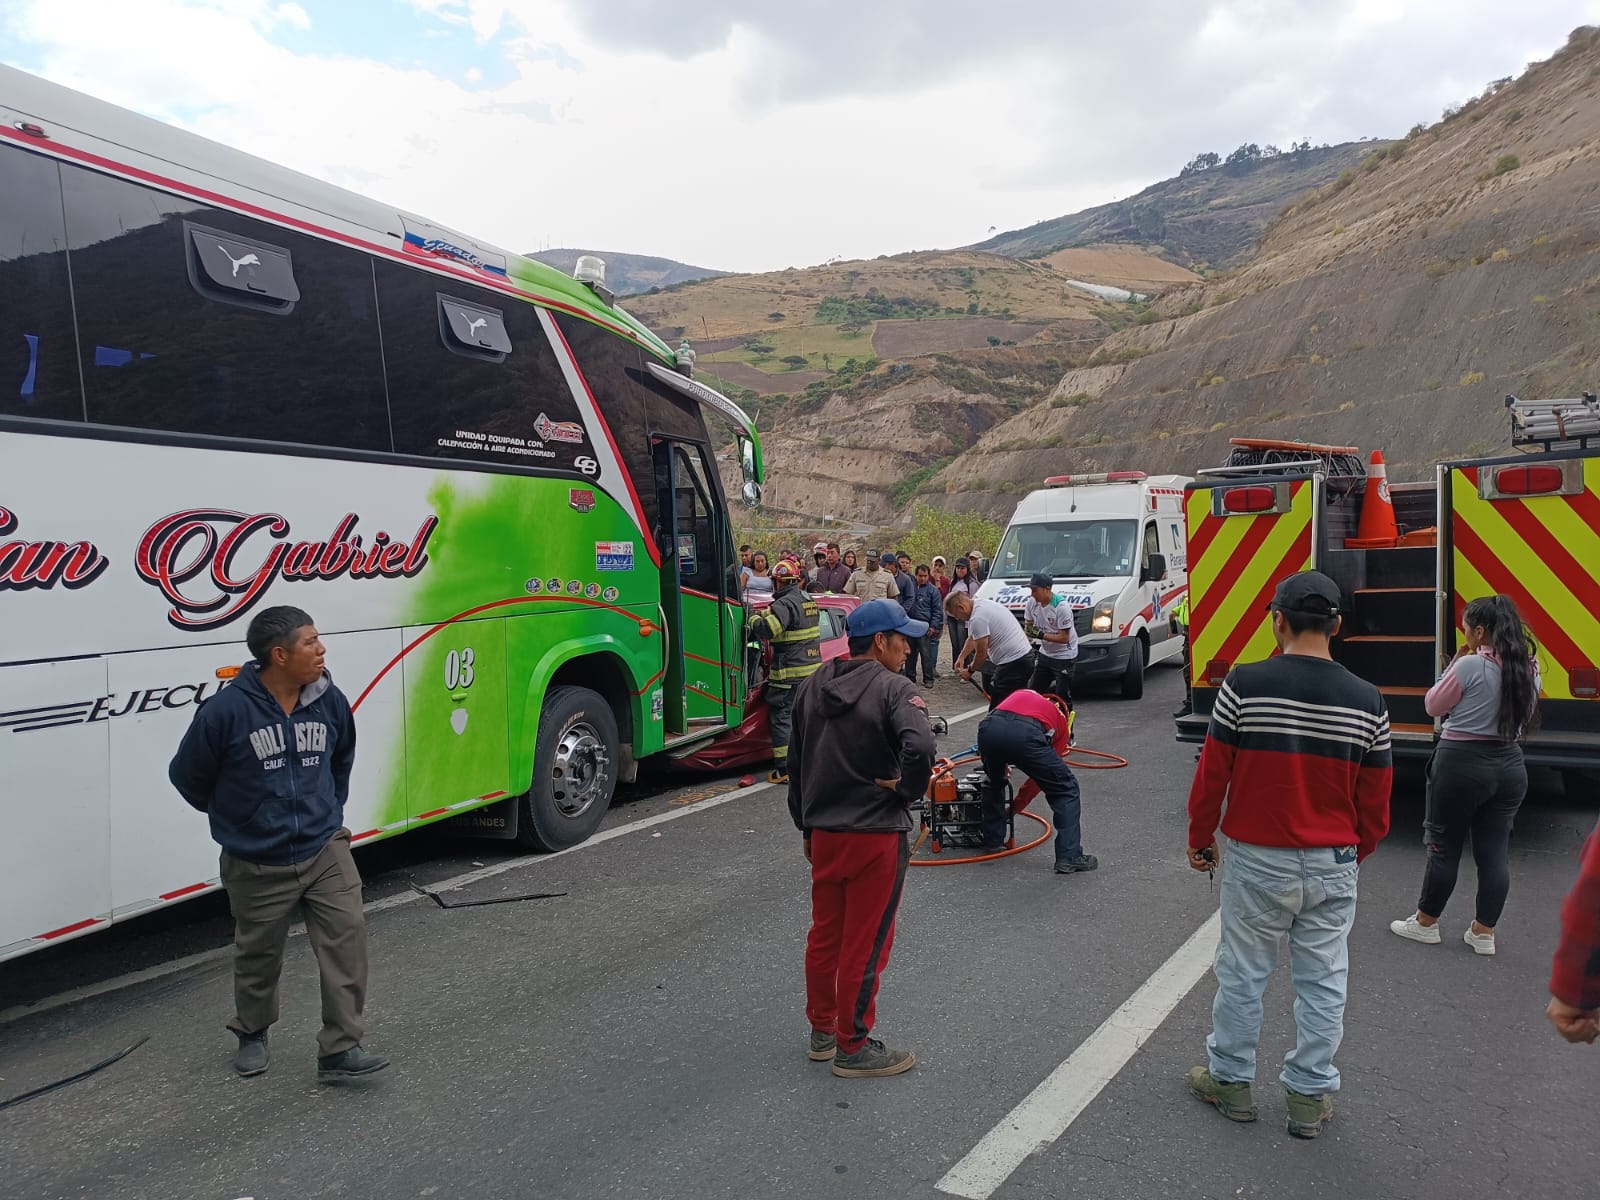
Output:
x=1393 y=309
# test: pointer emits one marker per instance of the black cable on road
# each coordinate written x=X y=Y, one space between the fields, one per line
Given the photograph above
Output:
x=70 y=1079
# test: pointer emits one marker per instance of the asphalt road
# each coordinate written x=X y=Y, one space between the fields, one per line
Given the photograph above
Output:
x=643 y=1036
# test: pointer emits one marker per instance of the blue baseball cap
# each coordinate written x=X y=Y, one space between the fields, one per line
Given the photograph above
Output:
x=883 y=616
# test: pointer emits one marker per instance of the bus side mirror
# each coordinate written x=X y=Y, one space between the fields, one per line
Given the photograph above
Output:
x=747 y=458
x=1155 y=570
x=751 y=493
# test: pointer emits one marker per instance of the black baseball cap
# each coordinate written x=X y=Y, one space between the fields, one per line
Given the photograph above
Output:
x=1309 y=592
x=1042 y=579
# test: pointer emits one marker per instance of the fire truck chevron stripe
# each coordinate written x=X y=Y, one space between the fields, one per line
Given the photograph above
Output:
x=1249 y=643
x=1543 y=552
x=1235 y=578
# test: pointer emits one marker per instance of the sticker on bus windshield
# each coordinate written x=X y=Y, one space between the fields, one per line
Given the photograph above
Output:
x=613 y=556
x=558 y=431
x=687 y=556
x=581 y=499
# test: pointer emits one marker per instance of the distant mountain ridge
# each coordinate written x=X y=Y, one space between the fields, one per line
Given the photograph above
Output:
x=1207 y=218
x=630 y=274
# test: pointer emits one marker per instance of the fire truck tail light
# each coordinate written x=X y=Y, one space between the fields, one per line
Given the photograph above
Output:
x=1217 y=671
x=1584 y=682
x=1528 y=481
x=1249 y=499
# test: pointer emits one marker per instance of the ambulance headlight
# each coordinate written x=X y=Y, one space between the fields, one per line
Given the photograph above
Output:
x=1104 y=614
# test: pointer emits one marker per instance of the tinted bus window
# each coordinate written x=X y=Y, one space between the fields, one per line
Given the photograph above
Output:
x=635 y=406
x=38 y=352
x=472 y=376
x=170 y=341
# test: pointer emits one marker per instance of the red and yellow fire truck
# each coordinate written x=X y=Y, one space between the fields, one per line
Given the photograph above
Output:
x=1526 y=525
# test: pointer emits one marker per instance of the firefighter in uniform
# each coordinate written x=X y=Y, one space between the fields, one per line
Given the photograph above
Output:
x=790 y=622
x=1181 y=617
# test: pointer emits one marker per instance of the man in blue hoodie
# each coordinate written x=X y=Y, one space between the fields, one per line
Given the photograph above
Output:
x=268 y=761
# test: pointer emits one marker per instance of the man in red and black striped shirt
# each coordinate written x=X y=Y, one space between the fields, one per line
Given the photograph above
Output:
x=1299 y=748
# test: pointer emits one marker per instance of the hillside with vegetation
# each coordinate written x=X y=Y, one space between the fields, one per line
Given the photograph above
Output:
x=629 y=274
x=1209 y=216
x=1392 y=308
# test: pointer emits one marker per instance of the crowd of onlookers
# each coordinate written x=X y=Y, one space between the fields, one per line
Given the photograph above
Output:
x=919 y=588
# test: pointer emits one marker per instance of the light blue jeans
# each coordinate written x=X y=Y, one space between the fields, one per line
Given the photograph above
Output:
x=1269 y=893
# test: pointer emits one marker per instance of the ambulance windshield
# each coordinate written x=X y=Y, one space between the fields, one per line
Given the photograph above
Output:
x=1067 y=549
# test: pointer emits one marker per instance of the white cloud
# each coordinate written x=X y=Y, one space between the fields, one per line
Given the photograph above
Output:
x=293 y=14
x=756 y=137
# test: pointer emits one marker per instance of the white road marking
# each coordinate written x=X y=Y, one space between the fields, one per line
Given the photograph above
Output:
x=89 y=991
x=1046 y=1112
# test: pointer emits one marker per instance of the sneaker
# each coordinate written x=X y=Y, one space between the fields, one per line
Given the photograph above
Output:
x=873 y=1059
x=351 y=1064
x=1307 y=1114
x=1481 y=943
x=1233 y=1100
x=777 y=776
x=253 y=1055
x=1074 y=866
x=1409 y=928
x=823 y=1046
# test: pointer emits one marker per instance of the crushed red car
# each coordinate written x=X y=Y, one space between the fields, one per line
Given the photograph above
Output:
x=751 y=742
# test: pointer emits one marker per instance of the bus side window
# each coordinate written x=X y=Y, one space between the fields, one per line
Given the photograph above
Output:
x=472 y=376
x=697 y=524
x=165 y=349
x=38 y=351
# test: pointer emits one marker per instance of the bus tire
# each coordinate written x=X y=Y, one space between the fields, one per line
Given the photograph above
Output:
x=576 y=760
x=1133 y=677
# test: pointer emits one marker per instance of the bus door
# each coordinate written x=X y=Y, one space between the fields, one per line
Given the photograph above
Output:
x=701 y=680
x=1245 y=534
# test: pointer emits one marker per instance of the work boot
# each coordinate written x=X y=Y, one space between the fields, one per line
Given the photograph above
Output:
x=1307 y=1114
x=777 y=775
x=350 y=1064
x=823 y=1046
x=1075 y=866
x=1232 y=1100
x=873 y=1059
x=253 y=1055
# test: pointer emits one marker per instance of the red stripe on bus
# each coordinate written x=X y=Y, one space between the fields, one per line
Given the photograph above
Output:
x=187 y=891
x=651 y=682
x=471 y=612
x=438 y=812
x=1501 y=579
x=491 y=796
x=57 y=148
x=1222 y=586
x=368 y=833
x=690 y=688
x=710 y=662
x=73 y=928
x=1245 y=630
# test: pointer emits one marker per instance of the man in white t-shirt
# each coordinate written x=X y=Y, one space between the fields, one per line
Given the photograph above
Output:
x=1056 y=622
x=996 y=646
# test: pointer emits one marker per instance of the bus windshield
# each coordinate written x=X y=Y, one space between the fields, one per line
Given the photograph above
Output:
x=1081 y=549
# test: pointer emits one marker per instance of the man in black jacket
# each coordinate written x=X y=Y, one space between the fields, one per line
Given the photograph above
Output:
x=861 y=753
x=268 y=760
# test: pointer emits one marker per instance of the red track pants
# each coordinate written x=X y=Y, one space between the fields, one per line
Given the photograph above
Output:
x=856 y=880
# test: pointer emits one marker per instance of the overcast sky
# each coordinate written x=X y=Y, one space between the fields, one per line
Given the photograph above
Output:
x=753 y=135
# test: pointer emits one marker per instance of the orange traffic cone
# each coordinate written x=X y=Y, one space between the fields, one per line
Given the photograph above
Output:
x=1378 y=529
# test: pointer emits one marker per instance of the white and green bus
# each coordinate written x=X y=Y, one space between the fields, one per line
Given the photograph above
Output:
x=225 y=386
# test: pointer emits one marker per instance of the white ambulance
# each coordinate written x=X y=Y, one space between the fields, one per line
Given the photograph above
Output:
x=1114 y=544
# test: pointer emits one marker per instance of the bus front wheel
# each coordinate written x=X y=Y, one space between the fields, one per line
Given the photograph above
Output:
x=575 y=764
